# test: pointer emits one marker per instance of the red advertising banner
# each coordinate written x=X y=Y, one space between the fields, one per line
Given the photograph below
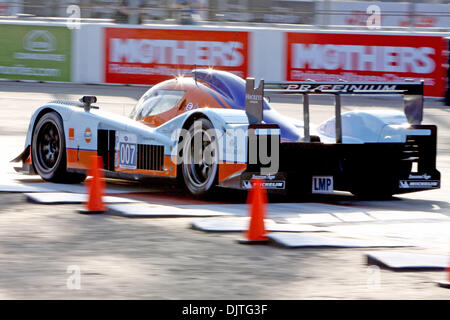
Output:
x=362 y=57
x=148 y=56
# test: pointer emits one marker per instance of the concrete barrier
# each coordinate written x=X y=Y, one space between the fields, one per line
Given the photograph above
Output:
x=447 y=93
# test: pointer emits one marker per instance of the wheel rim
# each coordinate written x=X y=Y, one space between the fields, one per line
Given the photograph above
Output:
x=48 y=146
x=199 y=165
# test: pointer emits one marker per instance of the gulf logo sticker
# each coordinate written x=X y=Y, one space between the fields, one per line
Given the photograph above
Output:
x=88 y=135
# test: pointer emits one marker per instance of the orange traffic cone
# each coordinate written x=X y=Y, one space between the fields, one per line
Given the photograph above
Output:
x=448 y=270
x=448 y=273
x=95 y=187
x=446 y=283
x=257 y=200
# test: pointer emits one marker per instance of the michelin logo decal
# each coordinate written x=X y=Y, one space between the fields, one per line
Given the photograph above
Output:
x=416 y=181
x=413 y=184
x=246 y=184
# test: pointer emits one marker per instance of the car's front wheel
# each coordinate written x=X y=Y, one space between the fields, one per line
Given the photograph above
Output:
x=200 y=158
x=48 y=150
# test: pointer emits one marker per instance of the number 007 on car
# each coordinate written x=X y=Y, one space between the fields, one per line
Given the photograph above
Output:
x=127 y=148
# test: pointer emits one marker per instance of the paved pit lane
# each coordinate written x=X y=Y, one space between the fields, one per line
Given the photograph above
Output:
x=165 y=258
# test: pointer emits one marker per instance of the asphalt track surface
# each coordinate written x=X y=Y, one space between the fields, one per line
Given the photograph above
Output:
x=165 y=259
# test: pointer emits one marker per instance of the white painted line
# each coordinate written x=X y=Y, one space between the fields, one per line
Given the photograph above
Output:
x=276 y=210
x=227 y=209
x=408 y=215
x=299 y=240
x=432 y=234
x=354 y=217
x=68 y=198
x=241 y=224
x=20 y=188
x=402 y=260
x=155 y=211
x=17 y=183
x=313 y=208
x=313 y=218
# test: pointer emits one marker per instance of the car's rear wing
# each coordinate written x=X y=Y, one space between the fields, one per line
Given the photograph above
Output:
x=412 y=97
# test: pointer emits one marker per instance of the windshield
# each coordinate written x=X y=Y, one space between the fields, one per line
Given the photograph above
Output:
x=156 y=101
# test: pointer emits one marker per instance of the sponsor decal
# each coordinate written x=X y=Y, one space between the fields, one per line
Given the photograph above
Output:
x=246 y=184
x=264 y=177
x=39 y=41
x=339 y=87
x=423 y=176
x=71 y=133
x=271 y=185
x=126 y=150
x=189 y=106
x=270 y=181
x=362 y=58
x=418 y=184
x=274 y=184
x=88 y=135
x=322 y=184
x=148 y=56
x=35 y=53
x=253 y=97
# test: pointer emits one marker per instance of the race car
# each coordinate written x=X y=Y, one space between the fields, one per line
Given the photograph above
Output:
x=215 y=129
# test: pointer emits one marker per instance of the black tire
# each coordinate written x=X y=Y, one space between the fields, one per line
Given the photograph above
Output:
x=48 y=150
x=201 y=177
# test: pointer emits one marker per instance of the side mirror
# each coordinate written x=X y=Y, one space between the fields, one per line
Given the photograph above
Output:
x=87 y=101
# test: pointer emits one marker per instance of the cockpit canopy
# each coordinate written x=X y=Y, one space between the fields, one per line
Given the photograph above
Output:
x=156 y=101
x=207 y=88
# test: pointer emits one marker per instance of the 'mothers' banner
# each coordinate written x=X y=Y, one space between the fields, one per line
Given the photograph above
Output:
x=357 y=57
x=148 y=56
x=35 y=52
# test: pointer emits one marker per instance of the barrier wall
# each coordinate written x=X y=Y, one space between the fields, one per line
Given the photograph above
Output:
x=447 y=93
x=144 y=54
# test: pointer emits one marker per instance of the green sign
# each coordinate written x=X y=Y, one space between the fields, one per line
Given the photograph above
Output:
x=35 y=52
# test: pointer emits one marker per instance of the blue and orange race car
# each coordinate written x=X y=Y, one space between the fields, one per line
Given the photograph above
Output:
x=215 y=129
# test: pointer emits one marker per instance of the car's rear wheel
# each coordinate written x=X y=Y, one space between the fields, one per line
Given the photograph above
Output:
x=48 y=150
x=200 y=158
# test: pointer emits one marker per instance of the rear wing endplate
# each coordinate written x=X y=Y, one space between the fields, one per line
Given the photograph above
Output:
x=412 y=93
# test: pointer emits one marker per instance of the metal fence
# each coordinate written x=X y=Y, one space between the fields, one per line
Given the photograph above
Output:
x=431 y=14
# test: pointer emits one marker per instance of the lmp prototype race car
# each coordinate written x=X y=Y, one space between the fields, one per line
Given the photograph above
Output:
x=216 y=129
